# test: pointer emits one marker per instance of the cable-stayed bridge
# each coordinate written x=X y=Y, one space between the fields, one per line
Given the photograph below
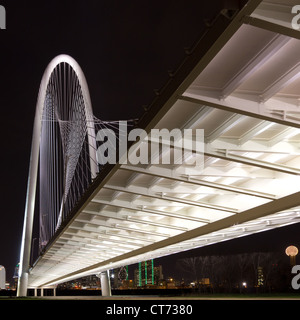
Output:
x=239 y=85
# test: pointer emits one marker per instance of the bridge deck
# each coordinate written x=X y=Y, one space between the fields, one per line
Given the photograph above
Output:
x=241 y=85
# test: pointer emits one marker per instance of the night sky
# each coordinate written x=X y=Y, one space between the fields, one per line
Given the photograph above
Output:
x=125 y=49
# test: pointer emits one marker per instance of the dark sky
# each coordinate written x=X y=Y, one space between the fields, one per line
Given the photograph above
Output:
x=125 y=49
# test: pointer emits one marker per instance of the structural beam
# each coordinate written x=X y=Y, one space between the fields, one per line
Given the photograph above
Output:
x=125 y=218
x=164 y=196
x=273 y=46
x=224 y=127
x=227 y=151
x=128 y=206
x=226 y=154
x=275 y=111
x=171 y=175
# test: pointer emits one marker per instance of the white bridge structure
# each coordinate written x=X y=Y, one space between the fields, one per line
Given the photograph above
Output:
x=241 y=85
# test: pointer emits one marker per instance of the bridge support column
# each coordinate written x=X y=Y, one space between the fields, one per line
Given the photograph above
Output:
x=22 y=285
x=105 y=284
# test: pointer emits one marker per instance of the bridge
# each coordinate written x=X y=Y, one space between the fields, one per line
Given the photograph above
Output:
x=239 y=86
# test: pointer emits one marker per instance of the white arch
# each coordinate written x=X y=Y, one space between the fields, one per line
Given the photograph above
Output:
x=34 y=160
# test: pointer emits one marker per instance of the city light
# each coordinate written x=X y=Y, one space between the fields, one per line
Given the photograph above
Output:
x=292 y=251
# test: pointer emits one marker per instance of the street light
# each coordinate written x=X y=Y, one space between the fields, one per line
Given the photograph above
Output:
x=292 y=251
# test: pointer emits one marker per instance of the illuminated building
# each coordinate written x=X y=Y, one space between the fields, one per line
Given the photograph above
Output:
x=118 y=276
x=2 y=277
x=147 y=274
x=158 y=275
x=260 y=277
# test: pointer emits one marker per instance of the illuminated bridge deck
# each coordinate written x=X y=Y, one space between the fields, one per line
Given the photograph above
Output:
x=241 y=85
